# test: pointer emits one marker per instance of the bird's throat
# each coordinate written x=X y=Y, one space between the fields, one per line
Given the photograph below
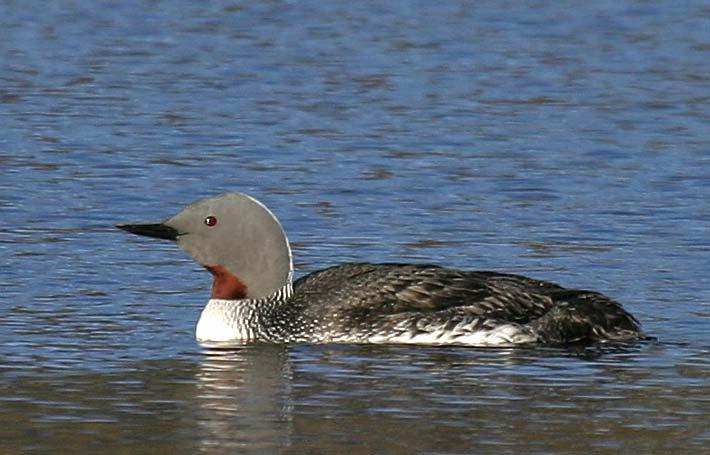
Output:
x=226 y=285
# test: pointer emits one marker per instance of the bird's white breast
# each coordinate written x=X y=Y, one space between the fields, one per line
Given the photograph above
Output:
x=225 y=320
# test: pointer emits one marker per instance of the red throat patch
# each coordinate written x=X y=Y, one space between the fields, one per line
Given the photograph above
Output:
x=226 y=285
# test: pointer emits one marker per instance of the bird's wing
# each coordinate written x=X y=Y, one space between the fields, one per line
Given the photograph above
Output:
x=362 y=290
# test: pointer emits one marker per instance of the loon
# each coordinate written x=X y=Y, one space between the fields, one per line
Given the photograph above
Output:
x=254 y=298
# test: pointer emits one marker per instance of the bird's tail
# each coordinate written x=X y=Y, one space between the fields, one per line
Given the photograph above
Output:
x=585 y=317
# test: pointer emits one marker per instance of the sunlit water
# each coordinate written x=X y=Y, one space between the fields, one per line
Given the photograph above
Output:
x=568 y=142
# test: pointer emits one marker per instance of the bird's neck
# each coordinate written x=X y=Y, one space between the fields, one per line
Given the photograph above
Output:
x=243 y=320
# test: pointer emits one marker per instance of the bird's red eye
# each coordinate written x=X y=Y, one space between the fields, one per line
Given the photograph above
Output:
x=211 y=221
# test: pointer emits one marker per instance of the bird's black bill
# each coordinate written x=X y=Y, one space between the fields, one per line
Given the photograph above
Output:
x=158 y=231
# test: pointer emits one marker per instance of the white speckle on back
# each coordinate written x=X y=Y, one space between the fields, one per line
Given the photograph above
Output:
x=504 y=335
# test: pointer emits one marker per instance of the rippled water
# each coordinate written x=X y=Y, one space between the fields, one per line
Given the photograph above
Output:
x=568 y=142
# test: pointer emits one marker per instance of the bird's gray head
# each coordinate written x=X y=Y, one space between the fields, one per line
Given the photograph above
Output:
x=236 y=238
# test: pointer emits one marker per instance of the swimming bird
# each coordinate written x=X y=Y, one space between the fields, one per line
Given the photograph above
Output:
x=254 y=298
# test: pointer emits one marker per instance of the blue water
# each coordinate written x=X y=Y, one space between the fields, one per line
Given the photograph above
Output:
x=568 y=142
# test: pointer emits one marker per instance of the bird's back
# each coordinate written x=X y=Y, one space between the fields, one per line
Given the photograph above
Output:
x=364 y=302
